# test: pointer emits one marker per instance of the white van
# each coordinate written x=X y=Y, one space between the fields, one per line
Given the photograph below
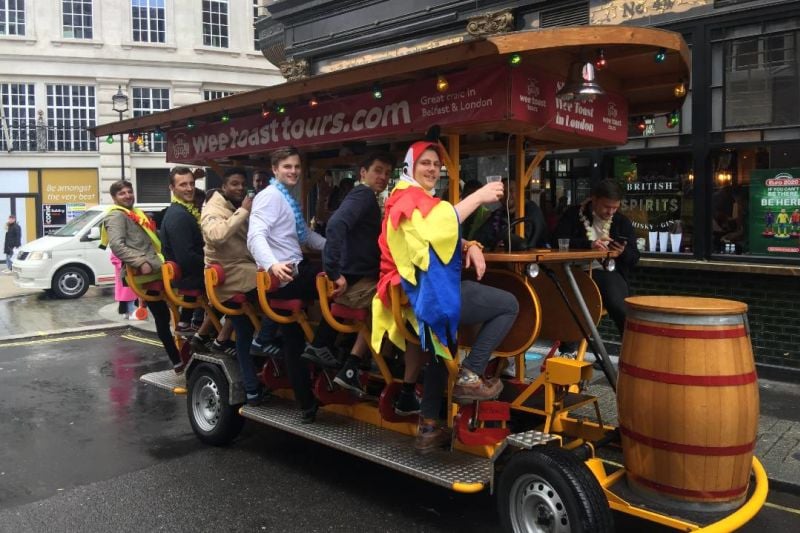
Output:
x=70 y=260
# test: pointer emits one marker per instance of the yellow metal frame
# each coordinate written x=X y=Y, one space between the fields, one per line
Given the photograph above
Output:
x=141 y=292
x=176 y=299
x=263 y=287
x=212 y=281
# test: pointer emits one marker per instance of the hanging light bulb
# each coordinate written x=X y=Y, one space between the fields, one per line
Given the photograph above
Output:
x=441 y=84
x=661 y=55
x=377 y=94
x=110 y=139
x=600 y=61
x=225 y=117
x=265 y=111
x=673 y=119
x=131 y=137
x=515 y=60
x=641 y=125
x=280 y=109
x=158 y=134
x=190 y=124
x=680 y=90
x=140 y=140
x=313 y=102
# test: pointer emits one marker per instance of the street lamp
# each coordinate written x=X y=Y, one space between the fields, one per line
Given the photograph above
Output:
x=120 y=103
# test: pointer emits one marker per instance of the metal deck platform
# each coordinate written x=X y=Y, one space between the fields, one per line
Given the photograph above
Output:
x=166 y=379
x=454 y=470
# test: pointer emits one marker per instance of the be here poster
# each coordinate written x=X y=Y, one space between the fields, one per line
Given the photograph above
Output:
x=775 y=212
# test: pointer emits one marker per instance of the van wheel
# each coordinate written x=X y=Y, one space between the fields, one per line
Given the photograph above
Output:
x=213 y=419
x=70 y=282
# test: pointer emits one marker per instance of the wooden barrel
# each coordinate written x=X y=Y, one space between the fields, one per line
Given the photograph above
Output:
x=688 y=400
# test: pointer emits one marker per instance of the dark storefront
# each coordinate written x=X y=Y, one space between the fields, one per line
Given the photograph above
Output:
x=713 y=189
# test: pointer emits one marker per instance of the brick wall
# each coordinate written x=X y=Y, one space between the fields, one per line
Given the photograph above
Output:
x=773 y=306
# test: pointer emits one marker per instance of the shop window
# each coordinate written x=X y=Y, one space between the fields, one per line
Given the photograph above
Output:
x=756 y=201
x=658 y=200
x=152 y=185
x=762 y=81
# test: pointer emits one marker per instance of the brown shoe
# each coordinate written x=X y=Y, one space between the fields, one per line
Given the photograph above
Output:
x=431 y=437
x=471 y=387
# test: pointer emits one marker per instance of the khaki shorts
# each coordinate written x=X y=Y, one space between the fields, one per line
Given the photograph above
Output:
x=359 y=295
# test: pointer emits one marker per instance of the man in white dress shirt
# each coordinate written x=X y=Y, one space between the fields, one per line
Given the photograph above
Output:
x=277 y=232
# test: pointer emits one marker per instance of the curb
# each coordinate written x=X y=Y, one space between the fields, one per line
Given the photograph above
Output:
x=82 y=329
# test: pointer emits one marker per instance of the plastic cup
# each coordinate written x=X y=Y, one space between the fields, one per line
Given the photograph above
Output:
x=675 y=242
x=652 y=239
x=663 y=238
x=563 y=245
x=492 y=179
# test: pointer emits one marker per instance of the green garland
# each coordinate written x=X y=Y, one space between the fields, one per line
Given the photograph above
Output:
x=189 y=207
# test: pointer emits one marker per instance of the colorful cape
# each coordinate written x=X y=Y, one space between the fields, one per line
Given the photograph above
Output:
x=419 y=251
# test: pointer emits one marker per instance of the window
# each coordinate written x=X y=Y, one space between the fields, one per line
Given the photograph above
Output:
x=12 y=17
x=146 y=101
x=762 y=81
x=255 y=18
x=70 y=112
x=214 y=95
x=215 y=23
x=148 y=19
x=77 y=19
x=18 y=130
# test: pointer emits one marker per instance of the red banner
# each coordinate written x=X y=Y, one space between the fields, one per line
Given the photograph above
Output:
x=533 y=99
x=472 y=96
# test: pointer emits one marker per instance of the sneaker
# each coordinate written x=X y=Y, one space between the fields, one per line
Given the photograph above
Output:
x=471 y=387
x=268 y=349
x=320 y=356
x=431 y=437
x=185 y=330
x=200 y=344
x=257 y=398
x=179 y=368
x=309 y=415
x=406 y=404
x=347 y=378
x=224 y=347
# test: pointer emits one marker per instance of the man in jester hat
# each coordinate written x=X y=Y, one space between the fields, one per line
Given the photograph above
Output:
x=132 y=237
x=421 y=250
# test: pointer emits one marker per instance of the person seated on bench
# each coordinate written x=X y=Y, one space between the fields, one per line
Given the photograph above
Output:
x=224 y=222
x=277 y=230
x=421 y=250
x=132 y=237
x=352 y=260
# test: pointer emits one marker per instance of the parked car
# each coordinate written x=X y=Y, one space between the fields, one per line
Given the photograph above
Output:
x=70 y=260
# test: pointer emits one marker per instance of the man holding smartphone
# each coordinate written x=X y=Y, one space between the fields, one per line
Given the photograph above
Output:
x=597 y=224
x=277 y=232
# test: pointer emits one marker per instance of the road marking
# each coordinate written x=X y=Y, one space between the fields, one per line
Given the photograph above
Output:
x=94 y=327
x=782 y=508
x=52 y=340
x=143 y=340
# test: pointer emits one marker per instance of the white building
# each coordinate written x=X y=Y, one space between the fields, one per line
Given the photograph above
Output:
x=61 y=61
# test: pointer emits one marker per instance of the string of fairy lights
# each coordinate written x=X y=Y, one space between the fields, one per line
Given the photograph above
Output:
x=672 y=119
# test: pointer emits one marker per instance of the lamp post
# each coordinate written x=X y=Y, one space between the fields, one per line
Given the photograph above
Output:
x=120 y=103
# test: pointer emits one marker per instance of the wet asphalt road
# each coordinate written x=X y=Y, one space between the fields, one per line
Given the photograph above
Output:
x=87 y=447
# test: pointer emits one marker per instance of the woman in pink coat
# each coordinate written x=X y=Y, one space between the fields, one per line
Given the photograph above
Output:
x=122 y=294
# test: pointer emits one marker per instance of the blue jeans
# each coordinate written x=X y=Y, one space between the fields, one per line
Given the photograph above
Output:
x=244 y=337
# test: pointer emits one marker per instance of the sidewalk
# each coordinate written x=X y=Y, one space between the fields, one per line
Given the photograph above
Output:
x=777 y=447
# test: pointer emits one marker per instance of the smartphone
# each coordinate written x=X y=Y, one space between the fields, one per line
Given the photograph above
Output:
x=251 y=193
x=295 y=270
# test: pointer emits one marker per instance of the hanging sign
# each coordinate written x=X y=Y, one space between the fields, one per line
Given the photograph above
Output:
x=534 y=100
x=775 y=211
x=471 y=96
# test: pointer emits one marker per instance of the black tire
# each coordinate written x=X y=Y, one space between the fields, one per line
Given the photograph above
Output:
x=549 y=489
x=70 y=282
x=213 y=420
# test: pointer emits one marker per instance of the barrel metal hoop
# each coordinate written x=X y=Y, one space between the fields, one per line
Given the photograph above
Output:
x=691 y=449
x=682 y=333
x=670 y=378
x=669 y=489
x=686 y=320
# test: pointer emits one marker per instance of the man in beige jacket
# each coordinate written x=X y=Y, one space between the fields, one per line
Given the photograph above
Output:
x=224 y=225
x=131 y=236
